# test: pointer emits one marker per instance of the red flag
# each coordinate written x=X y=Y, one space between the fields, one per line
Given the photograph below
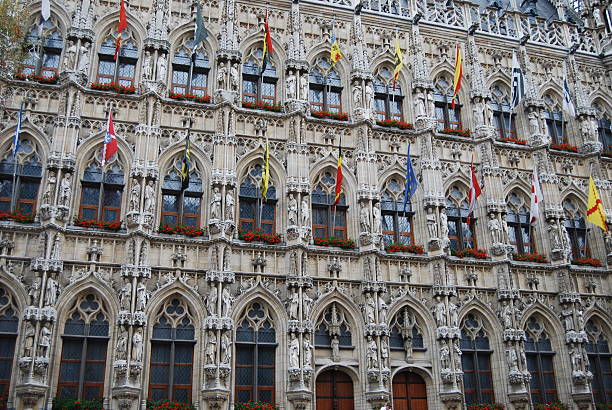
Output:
x=339 y=177
x=475 y=192
x=122 y=26
x=110 y=140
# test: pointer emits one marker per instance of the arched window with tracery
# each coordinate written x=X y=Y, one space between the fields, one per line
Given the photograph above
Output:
x=518 y=221
x=190 y=72
x=556 y=126
x=9 y=322
x=396 y=221
x=172 y=346
x=604 y=128
x=102 y=189
x=406 y=333
x=256 y=355
x=539 y=354
x=182 y=206
x=258 y=86
x=388 y=96
x=25 y=171
x=600 y=356
x=476 y=361
x=325 y=216
x=461 y=234
x=575 y=225
x=122 y=70
x=325 y=92
x=447 y=116
x=503 y=118
x=84 y=350
x=333 y=327
x=44 y=44
x=255 y=212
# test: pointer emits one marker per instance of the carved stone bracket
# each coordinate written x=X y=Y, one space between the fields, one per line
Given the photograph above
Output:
x=135 y=271
x=49 y=265
x=218 y=323
x=220 y=276
x=514 y=335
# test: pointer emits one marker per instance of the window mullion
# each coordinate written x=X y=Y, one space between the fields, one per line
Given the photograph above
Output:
x=116 y=71
x=82 y=367
x=256 y=367
x=388 y=114
x=101 y=198
x=15 y=187
x=259 y=86
x=396 y=225
x=181 y=207
x=189 y=78
x=171 y=368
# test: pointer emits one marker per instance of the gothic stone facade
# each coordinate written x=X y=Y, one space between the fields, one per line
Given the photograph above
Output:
x=136 y=312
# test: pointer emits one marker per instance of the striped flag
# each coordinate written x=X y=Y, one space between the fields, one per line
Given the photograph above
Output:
x=595 y=210
x=411 y=181
x=339 y=176
x=110 y=140
x=17 y=132
x=518 y=83
x=186 y=164
x=568 y=104
x=122 y=26
x=536 y=197
x=265 y=176
x=267 y=46
x=458 y=74
x=475 y=192
x=399 y=62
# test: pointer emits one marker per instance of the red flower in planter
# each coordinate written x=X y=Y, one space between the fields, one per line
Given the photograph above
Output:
x=402 y=247
x=340 y=116
x=180 y=230
x=458 y=132
x=470 y=253
x=341 y=243
x=530 y=257
x=564 y=147
x=511 y=140
x=587 y=262
x=395 y=124
x=258 y=235
x=114 y=87
x=204 y=99
x=262 y=105
x=90 y=223
x=18 y=216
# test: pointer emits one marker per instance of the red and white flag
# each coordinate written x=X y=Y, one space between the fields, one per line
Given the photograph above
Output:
x=123 y=24
x=475 y=192
x=536 y=197
x=110 y=140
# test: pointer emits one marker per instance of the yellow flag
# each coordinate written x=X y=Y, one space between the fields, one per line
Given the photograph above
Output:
x=399 y=62
x=334 y=51
x=595 y=210
x=265 y=177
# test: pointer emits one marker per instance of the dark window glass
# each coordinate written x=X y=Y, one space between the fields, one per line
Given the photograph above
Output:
x=325 y=91
x=8 y=336
x=476 y=363
x=254 y=211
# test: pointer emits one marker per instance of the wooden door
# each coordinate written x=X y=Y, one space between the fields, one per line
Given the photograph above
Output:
x=334 y=391
x=409 y=392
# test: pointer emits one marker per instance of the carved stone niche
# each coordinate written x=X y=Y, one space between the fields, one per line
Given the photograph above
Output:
x=215 y=398
x=127 y=397
x=30 y=394
x=520 y=401
x=300 y=399
x=452 y=400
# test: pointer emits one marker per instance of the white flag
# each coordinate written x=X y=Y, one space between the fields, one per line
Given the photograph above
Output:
x=568 y=104
x=536 y=197
x=46 y=9
x=518 y=82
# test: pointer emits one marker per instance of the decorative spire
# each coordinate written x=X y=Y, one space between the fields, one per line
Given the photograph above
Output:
x=157 y=29
x=229 y=32
x=360 y=56
x=297 y=49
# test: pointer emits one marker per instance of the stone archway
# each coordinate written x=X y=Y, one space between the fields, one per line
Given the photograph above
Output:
x=335 y=391
x=409 y=391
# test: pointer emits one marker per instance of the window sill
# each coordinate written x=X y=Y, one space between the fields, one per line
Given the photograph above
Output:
x=456 y=132
x=200 y=99
x=262 y=106
x=113 y=87
x=41 y=79
x=565 y=148
x=17 y=217
x=395 y=124
x=326 y=115
x=514 y=141
x=180 y=230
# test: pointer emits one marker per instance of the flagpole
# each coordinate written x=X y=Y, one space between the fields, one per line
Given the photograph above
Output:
x=182 y=197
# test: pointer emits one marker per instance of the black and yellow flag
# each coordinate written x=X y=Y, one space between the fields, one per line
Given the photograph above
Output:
x=186 y=164
x=267 y=45
x=265 y=175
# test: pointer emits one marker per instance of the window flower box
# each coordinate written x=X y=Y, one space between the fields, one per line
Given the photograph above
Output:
x=490 y=406
x=258 y=235
x=74 y=404
x=179 y=229
x=255 y=406
x=339 y=116
x=530 y=257
x=17 y=216
x=262 y=105
x=509 y=140
x=470 y=253
x=42 y=79
x=564 y=147
x=402 y=247
x=587 y=262
x=114 y=87
x=330 y=242
x=457 y=132
x=168 y=405
x=395 y=124
x=552 y=406
x=90 y=223
x=603 y=406
x=203 y=99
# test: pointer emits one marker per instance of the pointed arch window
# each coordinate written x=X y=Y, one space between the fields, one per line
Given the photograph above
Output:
x=44 y=44
x=84 y=348
x=448 y=118
x=333 y=325
x=257 y=87
x=600 y=357
x=397 y=223
x=387 y=97
x=324 y=217
x=406 y=333
x=8 y=337
x=539 y=354
x=461 y=235
x=325 y=92
x=604 y=129
x=556 y=126
x=518 y=221
x=123 y=70
x=189 y=74
x=476 y=362
x=575 y=226
x=102 y=190
x=172 y=346
x=25 y=171
x=255 y=212
x=503 y=118
x=256 y=355
x=182 y=206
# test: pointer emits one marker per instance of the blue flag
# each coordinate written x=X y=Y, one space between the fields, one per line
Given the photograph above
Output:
x=17 y=132
x=411 y=181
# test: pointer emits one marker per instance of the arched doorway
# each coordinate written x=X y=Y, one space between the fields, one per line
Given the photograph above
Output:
x=409 y=391
x=334 y=391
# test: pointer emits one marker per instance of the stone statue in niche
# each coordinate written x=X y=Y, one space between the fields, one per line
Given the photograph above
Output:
x=44 y=341
x=382 y=310
x=149 y=202
x=507 y=313
x=376 y=219
x=512 y=359
x=372 y=351
x=432 y=223
x=335 y=346
x=488 y=114
x=291 y=86
x=364 y=218
x=307 y=352
x=453 y=311
x=211 y=301
x=357 y=96
x=494 y=229
x=384 y=352
x=65 y=190
x=70 y=56
x=147 y=66
x=305 y=211
x=215 y=205
x=84 y=59
x=445 y=356
x=226 y=349
x=221 y=76
x=458 y=354
x=419 y=101
x=294 y=352
x=234 y=77
x=431 y=103
x=28 y=342
x=369 y=96
x=125 y=296
x=230 y=207
x=34 y=292
x=534 y=122
x=370 y=307
x=304 y=87
x=142 y=297
x=52 y=290
x=294 y=305
x=440 y=312
x=443 y=224
x=292 y=209
x=211 y=348
x=49 y=194
x=135 y=196
x=226 y=300
x=478 y=112
x=121 y=348
x=162 y=66
x=306 y=305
